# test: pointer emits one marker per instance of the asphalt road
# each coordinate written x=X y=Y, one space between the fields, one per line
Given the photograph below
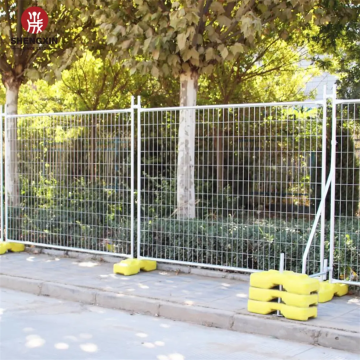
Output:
x=33 y=327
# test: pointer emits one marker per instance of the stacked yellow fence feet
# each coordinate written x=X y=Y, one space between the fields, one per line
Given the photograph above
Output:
x=298 y=294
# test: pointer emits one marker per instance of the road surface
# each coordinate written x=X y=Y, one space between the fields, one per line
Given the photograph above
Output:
x=33 y=327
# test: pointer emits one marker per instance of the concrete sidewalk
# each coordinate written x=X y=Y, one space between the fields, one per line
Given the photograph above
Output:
x=206 y=301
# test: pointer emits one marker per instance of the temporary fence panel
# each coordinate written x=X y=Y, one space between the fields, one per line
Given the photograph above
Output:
x=2 y=184
x=258 y=182
x=255 y=184
x=69 y=180
x=345 y=195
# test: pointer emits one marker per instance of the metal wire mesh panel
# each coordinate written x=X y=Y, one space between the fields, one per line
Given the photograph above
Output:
x=68 y=180
x=346 y=266
x=2 y=183
x=257 y=182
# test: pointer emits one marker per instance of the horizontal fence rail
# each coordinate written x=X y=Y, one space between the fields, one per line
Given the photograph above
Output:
x=68 y=180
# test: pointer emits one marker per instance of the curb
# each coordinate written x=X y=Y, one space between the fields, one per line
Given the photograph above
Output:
x=252 y=324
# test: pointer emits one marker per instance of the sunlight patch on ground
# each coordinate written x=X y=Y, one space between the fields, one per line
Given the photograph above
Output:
x=89 y=347
x=61 y=346
x=225 y=284
x=89 y=264
x=354 y=301
x=159 y=343
x=149 y=345
x=189 y=302
x=242 y=295
x=171 y=357
x=142 y=335
x=141 y=286
x=34 y=341
x=113 y=276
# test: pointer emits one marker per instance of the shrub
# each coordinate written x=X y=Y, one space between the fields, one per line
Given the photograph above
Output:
x=256 y=245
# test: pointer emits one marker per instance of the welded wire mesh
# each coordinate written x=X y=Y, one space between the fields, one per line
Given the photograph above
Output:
x=73 y=180
x=2 y=171
x=346 y=265
x=257 y=186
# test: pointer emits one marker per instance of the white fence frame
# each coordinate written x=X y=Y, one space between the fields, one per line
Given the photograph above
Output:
x=130 y=112
x=320 y=212
x=333 y=184
x=326 y=184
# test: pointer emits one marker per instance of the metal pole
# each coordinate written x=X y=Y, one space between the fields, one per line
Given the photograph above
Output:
x=132 y=176
x=281 y=269
x=6 y=161
x=1 y=174
x=323 y=181
x=325 y=270
x=316 y=220
x=333 y=178
x=138 y=176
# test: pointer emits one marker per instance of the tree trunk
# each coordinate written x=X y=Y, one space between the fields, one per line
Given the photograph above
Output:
x=186 y=148
x=11 y=166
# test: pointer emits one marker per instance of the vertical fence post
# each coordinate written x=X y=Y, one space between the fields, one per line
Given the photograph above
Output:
x=138 y=176
x=323 y=277
x=281 y=270
x=1 y=174
x=323 y=181
x=333 y=179
x=132 y=151
x=6 y=161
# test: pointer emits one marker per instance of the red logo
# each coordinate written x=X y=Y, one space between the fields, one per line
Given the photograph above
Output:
x=34 y=20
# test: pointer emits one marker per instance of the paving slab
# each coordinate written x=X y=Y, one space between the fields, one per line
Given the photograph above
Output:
x=203 y=300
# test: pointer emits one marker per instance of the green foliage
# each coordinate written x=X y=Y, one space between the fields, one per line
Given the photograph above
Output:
x=77 y=215
x=175 y=37
x=271 y=72
x=347 y=177
x=256 y=244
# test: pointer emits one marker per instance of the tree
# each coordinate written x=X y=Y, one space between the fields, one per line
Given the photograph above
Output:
x=70 y=25
x=188 y=38
x=271 y=72
x=338 y=45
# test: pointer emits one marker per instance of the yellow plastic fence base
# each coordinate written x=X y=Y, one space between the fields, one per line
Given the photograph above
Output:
x=3 y=247
x=327 y=291
x=10 y=246
x=294 y=283
x=147 y=265
x=289 y=312
x=288 y=298
x=127 y=267
x=16 y=247
x=133 y=266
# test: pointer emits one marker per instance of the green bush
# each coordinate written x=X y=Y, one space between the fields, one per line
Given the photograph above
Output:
x=256 y=245
x=91 y=216
x=82 y=215
x=347 y=175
